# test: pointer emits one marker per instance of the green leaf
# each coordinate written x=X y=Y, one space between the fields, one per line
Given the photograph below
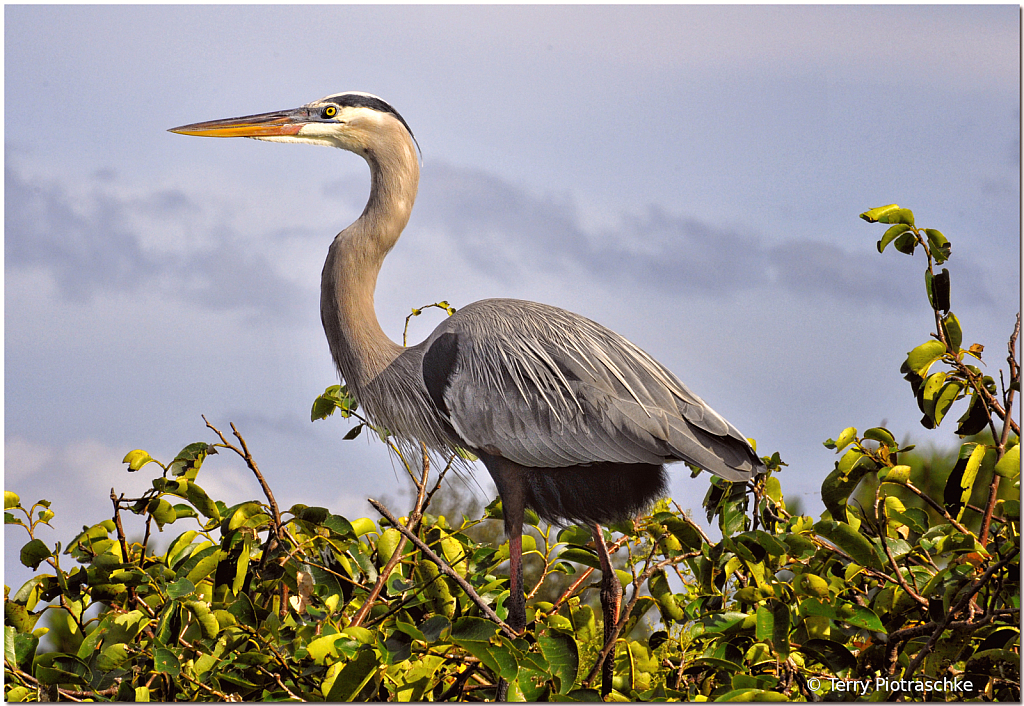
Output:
x=206 y=619
x=850 y=541
x=682 y=530
x=125 y=627
x=468 y=628
x=960 y=483
x=891 y=234
x=562 y=655
x=20 y=617
x=317 y=516
x=772 y=625
x=580 y=555
x=974 y=419
x=363 y=525
x=323 y=407
x=340 y=526
x=354 y=676
x=497 y=658
x=759 y=695
x=723 y=622
x=162 y=511
x=11 y=500
x=877 y=214
x=906 y=243
x=860 y=617
x=25 y=645
x=938 y=245
x=353 y=432
x=1009 y=465
x=244 y=611
x=179 y=588
x=843 y=480
x=202 y=502
x=137 y=459
x=243 y=513
x=832 y=654
x=954 y=334
x=660 y=591
x=181 y=510
x=166 y=662
x=190 y=458
x=335 y=397
x=435 y=626
x=413 y=683
x=882 y=436
x=35 y=553
x=57 y=668
x=945 y=399
x=930 y=391
x=937 y=287
x=922 y=357
x=845 y=437
x=10 y=632
x=205 y=566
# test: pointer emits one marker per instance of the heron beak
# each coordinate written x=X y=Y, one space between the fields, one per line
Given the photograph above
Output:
x=282 y=122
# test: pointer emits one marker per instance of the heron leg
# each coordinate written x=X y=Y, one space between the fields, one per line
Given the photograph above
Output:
x=611 y=604
x=508 y=476
x=511 y=487
x=513 y=510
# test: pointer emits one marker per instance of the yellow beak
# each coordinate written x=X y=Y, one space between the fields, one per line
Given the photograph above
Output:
x=283 y=122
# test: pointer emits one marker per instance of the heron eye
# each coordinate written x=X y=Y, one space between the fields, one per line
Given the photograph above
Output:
x=329 y=112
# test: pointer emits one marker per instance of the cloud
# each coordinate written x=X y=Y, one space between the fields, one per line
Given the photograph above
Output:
x=99 y=238
x=509 y=233
x=105 y=239
x=78 y=477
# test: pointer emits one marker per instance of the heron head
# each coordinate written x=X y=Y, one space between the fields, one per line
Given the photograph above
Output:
x=352 y=121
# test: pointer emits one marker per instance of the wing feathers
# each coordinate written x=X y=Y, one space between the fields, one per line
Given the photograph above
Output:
x=549 y=389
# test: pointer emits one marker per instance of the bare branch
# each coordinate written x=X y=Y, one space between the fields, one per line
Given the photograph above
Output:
x=414 y=519
x=445 y=569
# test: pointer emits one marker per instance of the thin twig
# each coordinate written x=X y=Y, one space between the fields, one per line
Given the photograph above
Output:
x=280 y=683
x=210 y=689
x=251 y=463
x=411 y=524
x=120 y=527
x=993 y=491
x=689 y=520
x=568 y=593
x=445 y=569
x=936 y=506
x=912 y=592
x=961 y=604
x=624 y=617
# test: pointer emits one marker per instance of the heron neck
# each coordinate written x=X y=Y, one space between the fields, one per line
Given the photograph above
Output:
x=360 y=348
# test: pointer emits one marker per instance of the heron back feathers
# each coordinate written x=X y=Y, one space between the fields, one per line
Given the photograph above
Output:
x=546 y=388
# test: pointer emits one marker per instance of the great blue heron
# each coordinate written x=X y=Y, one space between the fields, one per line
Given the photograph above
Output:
x=570 y=419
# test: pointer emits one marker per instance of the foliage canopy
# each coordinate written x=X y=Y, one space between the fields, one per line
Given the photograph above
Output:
x=906 y=586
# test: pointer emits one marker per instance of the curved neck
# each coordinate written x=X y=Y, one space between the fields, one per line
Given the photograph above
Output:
x=360 y=348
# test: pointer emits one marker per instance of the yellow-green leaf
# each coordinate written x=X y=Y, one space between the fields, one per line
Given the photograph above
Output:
x=1009 y=465
x=137 y=459
x=922 y=357
x=875 y=215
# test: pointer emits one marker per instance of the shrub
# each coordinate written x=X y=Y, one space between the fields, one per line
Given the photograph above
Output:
x=903 y=587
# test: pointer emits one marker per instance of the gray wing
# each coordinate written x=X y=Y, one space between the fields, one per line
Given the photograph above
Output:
x=546 y=388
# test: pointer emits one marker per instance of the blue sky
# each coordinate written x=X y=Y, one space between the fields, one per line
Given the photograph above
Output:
x=690 y=176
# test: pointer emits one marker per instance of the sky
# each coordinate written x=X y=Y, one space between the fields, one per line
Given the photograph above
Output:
x=689 y=176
